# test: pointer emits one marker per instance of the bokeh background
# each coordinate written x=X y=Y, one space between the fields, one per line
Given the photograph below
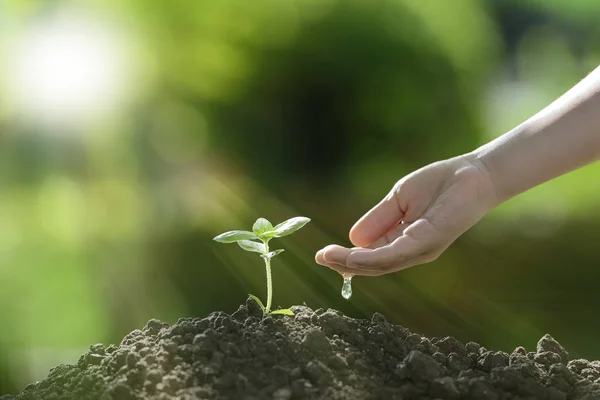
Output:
x=132 y=132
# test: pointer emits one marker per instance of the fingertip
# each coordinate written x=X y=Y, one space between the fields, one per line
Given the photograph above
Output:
x=321 y=253
x=376 y=222
x=357 y=237
x=336 y=254
x=331 y=265
x=329 y=254
x=320 y=257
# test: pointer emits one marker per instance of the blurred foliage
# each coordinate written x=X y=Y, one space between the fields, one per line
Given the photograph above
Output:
x=278 y=108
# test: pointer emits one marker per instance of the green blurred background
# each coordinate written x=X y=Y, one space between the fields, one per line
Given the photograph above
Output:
x=132 y=132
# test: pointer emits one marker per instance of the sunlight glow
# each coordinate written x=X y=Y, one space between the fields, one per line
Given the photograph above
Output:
x=66 y=69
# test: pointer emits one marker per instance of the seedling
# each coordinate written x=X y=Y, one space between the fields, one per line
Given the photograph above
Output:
x=257 y=241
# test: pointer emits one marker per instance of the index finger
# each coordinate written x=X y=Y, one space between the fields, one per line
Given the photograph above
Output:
x=400 y=250
x=377 y=221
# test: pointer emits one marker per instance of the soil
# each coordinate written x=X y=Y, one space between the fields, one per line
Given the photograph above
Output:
x=318 y=354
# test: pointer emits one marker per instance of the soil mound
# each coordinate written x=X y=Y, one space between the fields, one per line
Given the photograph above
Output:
x=318 y=354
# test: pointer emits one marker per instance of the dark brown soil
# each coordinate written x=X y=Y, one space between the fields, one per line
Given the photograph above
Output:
x=315 y=355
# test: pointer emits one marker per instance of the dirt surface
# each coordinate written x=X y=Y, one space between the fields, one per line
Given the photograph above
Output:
x=315 y=355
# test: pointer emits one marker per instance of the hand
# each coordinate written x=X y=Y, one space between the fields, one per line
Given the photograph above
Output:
x=422 y=215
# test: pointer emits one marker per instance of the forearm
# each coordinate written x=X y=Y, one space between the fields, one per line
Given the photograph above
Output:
x=562 y=137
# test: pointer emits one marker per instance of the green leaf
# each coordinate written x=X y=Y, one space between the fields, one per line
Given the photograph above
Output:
x=249 y=245
x=234 y=236
x=283 y=311
x=288 y=227
x=261 y=226
x=273 y=253
x=256 y=299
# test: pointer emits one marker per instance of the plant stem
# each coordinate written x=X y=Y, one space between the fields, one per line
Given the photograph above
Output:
x=269 y=281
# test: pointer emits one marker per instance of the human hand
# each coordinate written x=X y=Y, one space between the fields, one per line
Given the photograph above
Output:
x=422 y=215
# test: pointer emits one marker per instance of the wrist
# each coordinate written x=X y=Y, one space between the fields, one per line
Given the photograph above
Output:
x=490 y=190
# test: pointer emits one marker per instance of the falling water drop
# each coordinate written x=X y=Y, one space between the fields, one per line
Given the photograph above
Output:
x=347 y=287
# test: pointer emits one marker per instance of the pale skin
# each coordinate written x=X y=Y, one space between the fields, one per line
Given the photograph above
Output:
x=427 y=210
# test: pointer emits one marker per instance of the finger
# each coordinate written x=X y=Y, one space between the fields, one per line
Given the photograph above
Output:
x=336 y=254
x=339 y=255
x=343 y=269
x=319 y=258
x=389 y=237
x=361 y=270
x=399 y=250
x=378 y=271
x=377 y=221
x=418 y=238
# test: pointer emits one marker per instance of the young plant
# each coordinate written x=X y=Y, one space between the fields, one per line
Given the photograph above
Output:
x=257 y=241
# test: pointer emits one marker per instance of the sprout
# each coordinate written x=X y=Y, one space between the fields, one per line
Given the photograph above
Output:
x=257 y=241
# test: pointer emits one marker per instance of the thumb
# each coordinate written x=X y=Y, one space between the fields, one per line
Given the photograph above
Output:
x=377 y=221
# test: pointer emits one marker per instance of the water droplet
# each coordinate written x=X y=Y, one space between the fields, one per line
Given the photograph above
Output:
x=347 y=287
